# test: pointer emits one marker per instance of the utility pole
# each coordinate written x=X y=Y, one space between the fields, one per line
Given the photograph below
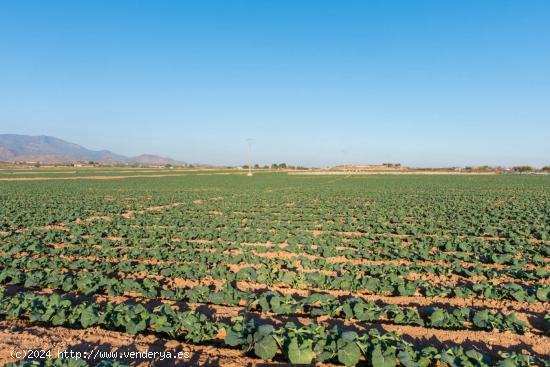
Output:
x=249 y=142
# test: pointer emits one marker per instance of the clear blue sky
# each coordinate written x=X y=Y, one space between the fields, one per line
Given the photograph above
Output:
x=462 y=82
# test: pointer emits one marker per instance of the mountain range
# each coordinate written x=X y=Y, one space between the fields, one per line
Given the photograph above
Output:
x=48 y=149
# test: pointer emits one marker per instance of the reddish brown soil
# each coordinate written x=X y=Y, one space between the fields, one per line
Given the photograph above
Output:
x=317 y=233
x=14 y=335
x=23 y=334
x=504 y=305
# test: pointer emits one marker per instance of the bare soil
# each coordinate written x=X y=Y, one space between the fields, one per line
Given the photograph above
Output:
x=15 y=335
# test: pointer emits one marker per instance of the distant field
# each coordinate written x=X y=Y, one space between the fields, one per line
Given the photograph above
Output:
x=374 y=270
x=100 y=172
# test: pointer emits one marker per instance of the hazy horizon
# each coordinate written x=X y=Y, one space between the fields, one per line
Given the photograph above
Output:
x=316 y=84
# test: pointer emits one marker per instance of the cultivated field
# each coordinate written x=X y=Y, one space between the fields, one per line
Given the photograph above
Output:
x=231 y=270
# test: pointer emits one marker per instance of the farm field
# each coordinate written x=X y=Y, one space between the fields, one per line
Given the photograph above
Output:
x=281 y=269
x=56 y=173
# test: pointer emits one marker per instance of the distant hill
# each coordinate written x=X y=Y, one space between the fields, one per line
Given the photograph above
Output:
x=48 y=149
x=153 y=159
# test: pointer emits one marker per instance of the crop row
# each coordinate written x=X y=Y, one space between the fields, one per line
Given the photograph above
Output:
x=510 y=207
x=218 y=252
x=181 y=252
x=314 y=305
x=380 y=284
x=295 y=344
x=374 y=247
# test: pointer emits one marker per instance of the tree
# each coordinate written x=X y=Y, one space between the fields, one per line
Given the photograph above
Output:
x=282 y=165
x=256 y=166
x=546 y=169
x=522 y=169
x=274 y=166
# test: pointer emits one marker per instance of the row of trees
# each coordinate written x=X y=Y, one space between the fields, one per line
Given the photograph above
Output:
x=275 y=166
x=518 y=169
x=522 y=169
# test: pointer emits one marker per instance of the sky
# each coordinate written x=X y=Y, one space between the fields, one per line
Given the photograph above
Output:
x=311 y=82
